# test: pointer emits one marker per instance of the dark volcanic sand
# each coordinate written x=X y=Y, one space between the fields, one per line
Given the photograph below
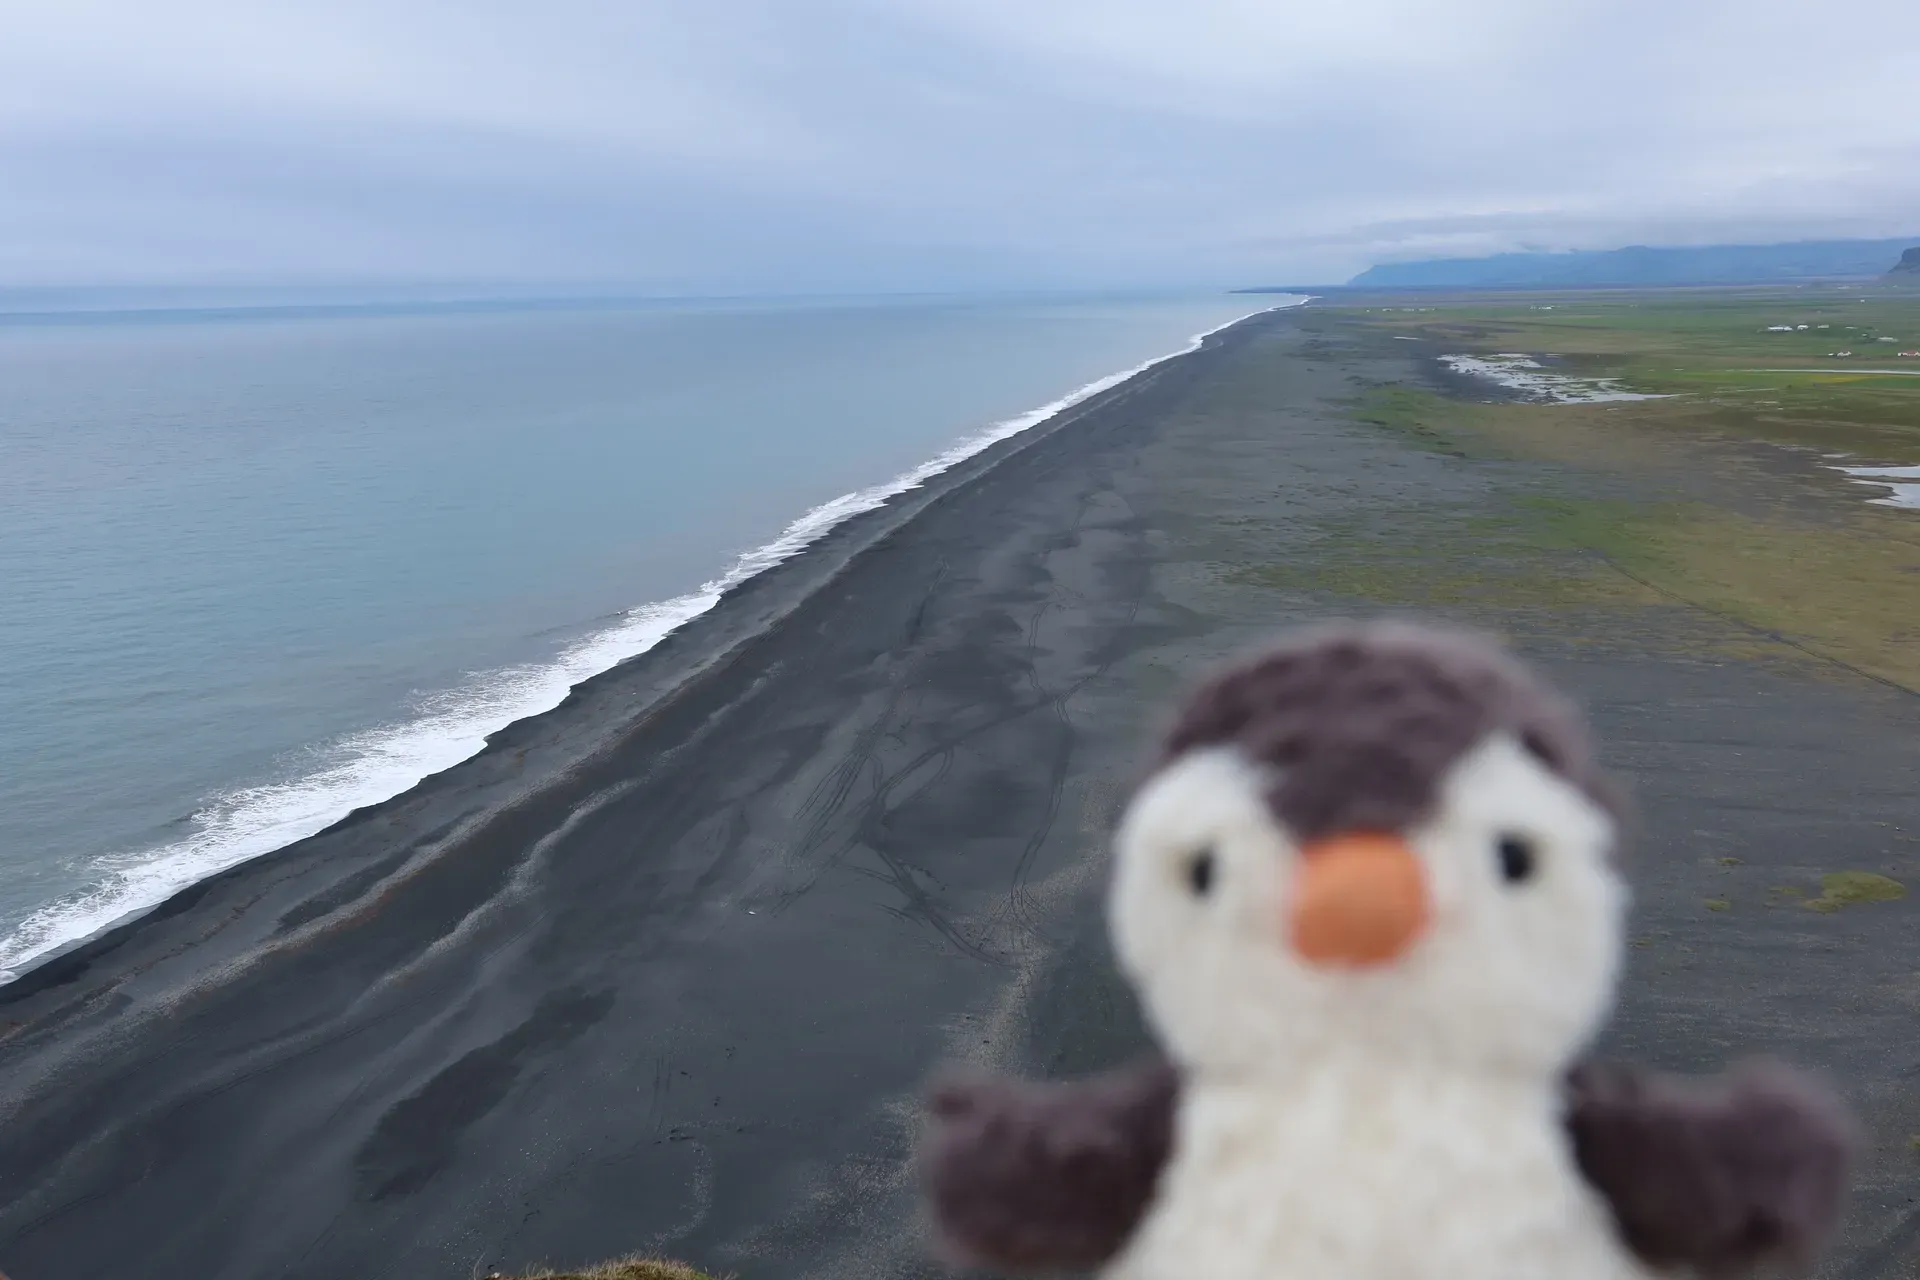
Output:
x=661 y=970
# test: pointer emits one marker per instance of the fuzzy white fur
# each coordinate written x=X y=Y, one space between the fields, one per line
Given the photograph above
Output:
x=1398 y=1123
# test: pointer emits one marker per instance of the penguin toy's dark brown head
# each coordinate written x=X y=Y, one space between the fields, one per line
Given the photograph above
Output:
x=1373 y=838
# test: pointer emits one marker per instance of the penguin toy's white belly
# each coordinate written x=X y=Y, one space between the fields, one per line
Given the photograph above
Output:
x=1410 y=1179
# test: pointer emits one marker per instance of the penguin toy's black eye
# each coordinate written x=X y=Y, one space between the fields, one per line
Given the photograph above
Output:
x=1200 y=873
x=1517 y=859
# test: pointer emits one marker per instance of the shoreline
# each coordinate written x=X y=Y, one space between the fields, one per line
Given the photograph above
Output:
x=627 y=889
x=537 y=688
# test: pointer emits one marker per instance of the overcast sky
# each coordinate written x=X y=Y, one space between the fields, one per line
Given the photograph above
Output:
x=718 y=145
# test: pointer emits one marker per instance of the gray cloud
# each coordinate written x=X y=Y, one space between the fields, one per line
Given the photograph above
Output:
x=863 y=144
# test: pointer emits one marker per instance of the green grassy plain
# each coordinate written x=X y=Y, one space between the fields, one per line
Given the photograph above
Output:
x=1716 y=353
x=1721 y=496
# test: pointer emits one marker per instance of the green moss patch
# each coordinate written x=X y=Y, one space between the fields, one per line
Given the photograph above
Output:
x=1421 y=418
x=1848 y=888
x=1524 y=554
x=620 y=1269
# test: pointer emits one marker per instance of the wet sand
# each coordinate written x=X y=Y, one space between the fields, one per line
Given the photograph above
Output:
x=661 y=969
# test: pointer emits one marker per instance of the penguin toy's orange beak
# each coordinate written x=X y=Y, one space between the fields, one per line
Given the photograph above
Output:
x=1360 y=900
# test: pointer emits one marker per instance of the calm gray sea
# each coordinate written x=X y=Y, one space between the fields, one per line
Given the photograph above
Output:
x=259 y=566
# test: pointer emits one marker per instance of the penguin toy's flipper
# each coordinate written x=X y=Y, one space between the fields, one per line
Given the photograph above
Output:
x=1025 y=1177
x=1721 y=1175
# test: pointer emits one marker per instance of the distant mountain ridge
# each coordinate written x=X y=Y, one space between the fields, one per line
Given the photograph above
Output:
x=1907 y=270
x=1644 y=265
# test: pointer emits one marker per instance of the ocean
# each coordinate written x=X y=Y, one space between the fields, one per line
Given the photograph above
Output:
x=261 y=565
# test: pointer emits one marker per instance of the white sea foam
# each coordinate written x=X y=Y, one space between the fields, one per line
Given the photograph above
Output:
x=375 y=765
x=1522 y=373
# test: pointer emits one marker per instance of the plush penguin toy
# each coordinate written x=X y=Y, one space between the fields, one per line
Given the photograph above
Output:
x=1370 y=901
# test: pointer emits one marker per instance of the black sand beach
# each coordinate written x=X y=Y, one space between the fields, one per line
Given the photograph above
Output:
x=662 y=969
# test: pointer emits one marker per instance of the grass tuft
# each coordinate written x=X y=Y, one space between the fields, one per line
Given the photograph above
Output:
x=620 y=1269
x=1845 y=888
